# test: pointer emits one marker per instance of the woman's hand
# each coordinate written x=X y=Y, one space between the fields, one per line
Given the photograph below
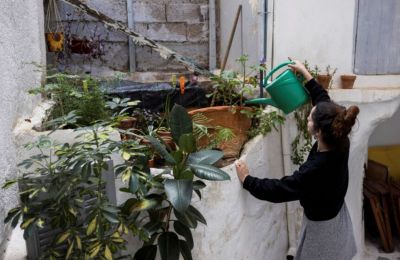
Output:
x=300 y=68
x=241 y=170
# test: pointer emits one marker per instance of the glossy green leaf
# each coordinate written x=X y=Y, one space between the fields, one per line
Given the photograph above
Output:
x=15 y=220
x=27 y=223
x=168 y=244
x=185 y=250
x=153 y=226
x=179 y=122
x=205 y=157
x=107 y=253
x=209 y=172
x=12 y=213
x=9 y=183
x=186 y=174
x=179 y=193
x=146 y=253
x=198 y=185
x=184 y=231
x=187 y=143
x=186 y=219
x=161 y=149
x=192 y=211
x=144 y=204
x=198 y=193
x=133 y=183
x=92 y=226
x=111 y=217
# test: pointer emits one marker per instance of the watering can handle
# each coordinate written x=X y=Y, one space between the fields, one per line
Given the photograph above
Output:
x=275 y=69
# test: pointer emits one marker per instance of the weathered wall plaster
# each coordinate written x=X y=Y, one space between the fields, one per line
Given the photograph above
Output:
x=387 y=133
x=21 y=45
x=240 y=226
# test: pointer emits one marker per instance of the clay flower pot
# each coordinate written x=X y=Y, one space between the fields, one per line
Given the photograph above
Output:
x=348 y=81
x=227 y=117
x=324 y=80
x=127 y=123
x=55 y=41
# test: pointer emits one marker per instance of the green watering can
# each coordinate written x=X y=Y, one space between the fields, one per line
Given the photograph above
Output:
x=287 y=93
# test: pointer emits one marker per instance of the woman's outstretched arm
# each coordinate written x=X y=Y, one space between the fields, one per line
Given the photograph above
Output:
x=318 y=93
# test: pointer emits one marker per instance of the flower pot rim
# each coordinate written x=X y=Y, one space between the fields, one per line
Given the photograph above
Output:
x=348 y=76
x=217 y=108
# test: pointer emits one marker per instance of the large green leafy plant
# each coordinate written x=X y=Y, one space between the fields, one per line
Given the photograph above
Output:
x=55 y=187
x=161 y=212
x=59 y=179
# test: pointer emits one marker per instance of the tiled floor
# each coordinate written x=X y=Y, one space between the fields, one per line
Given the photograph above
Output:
x=373 y=251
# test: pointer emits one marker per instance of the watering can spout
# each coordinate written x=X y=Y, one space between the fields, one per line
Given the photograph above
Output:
x=262 y=101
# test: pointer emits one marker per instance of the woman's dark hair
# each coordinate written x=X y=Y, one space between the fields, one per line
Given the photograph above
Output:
x=334 y=121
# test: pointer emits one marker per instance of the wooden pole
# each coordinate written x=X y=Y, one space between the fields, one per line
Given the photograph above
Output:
x=239 y=11
x=139 y=39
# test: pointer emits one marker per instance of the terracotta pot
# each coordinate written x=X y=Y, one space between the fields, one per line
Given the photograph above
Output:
x=348 y=81
x=324 y=80
x=55 y=41
x=166 y=136
x=151 y=163
x=127 y=123
x=227 y=117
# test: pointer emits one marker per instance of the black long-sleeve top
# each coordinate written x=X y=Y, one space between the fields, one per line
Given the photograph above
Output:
x=320 y=183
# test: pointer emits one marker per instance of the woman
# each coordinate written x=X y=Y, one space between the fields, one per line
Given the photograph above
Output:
x=320 y=183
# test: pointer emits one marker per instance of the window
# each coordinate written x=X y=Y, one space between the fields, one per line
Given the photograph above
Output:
x=377 y=46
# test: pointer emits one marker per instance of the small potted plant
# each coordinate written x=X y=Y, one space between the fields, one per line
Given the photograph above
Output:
x=325 y=80
x=347 y=81
x=227 y=109
x=54 y=29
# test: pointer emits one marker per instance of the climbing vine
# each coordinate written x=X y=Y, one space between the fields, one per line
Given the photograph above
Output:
x=302 y=143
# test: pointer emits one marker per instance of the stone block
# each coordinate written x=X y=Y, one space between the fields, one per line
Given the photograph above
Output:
x=163 y=32
x=148 y=12
x=189 y=13
x=94 y=30
x=148 y=60
x=197 y=32
x=115 y=9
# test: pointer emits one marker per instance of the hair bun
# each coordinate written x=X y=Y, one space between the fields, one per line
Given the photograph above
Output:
x=344 y=121
x=351 y=115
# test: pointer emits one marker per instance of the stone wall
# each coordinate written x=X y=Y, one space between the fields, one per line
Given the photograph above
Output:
x=21 y=47
x=181 y=25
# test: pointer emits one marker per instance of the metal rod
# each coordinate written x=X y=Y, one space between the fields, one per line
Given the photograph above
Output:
x=212 y=36
x=132 y=47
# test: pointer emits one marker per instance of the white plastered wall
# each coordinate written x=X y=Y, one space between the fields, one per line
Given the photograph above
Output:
x=21 y=45
x=321 y=32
